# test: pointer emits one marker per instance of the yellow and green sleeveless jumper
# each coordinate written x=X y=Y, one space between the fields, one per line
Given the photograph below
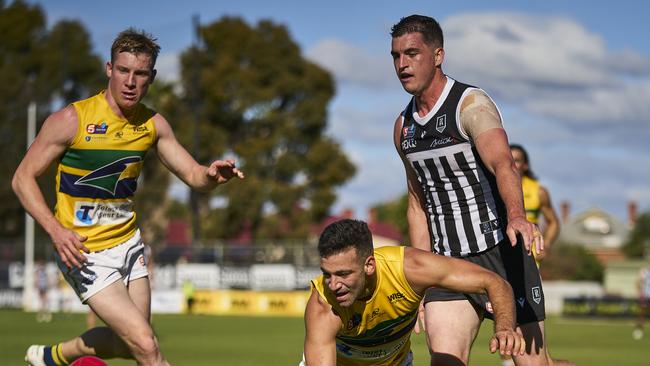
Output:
x=97 y=175
x=530 y=188
x=377 y=331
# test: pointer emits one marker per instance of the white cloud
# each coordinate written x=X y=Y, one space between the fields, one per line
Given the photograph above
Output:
x=350 y=64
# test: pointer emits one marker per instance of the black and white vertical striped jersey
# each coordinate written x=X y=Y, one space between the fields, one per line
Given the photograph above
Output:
x=466 y=214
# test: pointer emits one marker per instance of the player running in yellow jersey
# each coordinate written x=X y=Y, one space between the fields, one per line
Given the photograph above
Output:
x=100 y=144
x=362 y=309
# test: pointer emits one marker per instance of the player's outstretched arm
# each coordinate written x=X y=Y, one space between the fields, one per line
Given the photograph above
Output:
x=58 y=130
x=174 y=156
x=424 y=269
x=321 y=326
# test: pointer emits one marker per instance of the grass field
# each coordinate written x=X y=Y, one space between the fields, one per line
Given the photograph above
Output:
x=211 y=340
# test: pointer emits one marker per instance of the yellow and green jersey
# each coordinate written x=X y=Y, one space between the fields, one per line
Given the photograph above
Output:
x=530 y=189
x=377 y=331
x=97 y=175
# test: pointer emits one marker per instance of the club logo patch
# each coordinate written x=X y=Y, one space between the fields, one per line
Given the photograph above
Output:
x=537 y=294
x=441 y=123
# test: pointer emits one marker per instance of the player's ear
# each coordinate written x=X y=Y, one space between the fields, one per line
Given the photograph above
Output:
x=370 y=265
x=109 y=68
x=439 y=56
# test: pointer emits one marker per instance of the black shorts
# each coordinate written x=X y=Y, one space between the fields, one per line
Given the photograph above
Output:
x=518 y=268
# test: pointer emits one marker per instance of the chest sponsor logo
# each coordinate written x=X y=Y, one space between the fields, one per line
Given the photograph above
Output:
x=107 y=177
x=140 y=129
x=94 y=129
x=409 y=144
x=441 y=123
x=93 y=213
x=398 y=296
x=441 y=142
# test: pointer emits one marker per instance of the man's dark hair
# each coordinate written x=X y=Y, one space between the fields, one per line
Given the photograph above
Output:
x=427 y=26
x=344 y=234
x=528 y=172
x=136 y=42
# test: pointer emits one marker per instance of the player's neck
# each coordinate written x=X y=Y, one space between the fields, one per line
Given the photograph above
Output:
x=117 y=110
x=426 y=100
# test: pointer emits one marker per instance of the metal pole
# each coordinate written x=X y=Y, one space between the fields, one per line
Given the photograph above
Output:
x=28 y=286
x=194 y=100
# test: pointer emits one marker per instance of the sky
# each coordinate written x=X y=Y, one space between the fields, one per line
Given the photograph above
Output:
x=571 y=78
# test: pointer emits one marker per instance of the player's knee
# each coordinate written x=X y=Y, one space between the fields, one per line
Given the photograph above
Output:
x=146 y=345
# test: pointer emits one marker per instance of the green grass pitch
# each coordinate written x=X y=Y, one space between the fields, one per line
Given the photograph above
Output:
x=216 y=340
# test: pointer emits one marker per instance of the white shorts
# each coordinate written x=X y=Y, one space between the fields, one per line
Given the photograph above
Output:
x=124 y=262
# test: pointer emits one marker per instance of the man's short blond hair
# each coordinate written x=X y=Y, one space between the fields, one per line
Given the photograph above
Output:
x=136 y=42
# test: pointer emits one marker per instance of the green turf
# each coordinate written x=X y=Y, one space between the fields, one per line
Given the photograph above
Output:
x=211 y=340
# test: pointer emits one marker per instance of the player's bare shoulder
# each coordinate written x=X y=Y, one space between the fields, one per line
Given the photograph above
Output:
x=61 y=126
x=478 y=113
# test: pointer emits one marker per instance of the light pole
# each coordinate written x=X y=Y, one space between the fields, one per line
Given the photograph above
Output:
x=28 y=272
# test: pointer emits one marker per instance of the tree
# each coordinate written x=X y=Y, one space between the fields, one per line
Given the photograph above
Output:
x=41 y=66
x=394 y=212
x=638 y=243
x=258 y=100
x=571 y=262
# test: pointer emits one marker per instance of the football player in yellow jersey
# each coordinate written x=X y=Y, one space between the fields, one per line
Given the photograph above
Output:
x=111 y=278
x=362 y=309
x=537 y=201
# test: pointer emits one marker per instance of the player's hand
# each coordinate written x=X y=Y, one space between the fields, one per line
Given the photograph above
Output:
x=223 y=170
x=419 y=324
x=508 y=342
x=529 y=233
x=70 y=246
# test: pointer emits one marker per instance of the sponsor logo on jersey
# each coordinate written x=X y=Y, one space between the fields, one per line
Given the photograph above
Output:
x=408 y=132
x=107 y=177
x=398 y=296
x=97 y=128
x=409 y=144
x=441 y=123
x=140 y=129
x=441 y=142
x=93 y=213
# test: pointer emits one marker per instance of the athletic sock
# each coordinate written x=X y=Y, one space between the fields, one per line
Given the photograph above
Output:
x=53 y=356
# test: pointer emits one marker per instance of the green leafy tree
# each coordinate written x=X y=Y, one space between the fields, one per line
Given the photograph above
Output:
x=638 y=243
x=394 y=212
x=41 y=66
x=571 y=262
x=258 y=100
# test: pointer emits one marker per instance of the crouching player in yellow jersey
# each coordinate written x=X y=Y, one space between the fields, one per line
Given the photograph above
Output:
x=362 y=309
x=100 y=144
